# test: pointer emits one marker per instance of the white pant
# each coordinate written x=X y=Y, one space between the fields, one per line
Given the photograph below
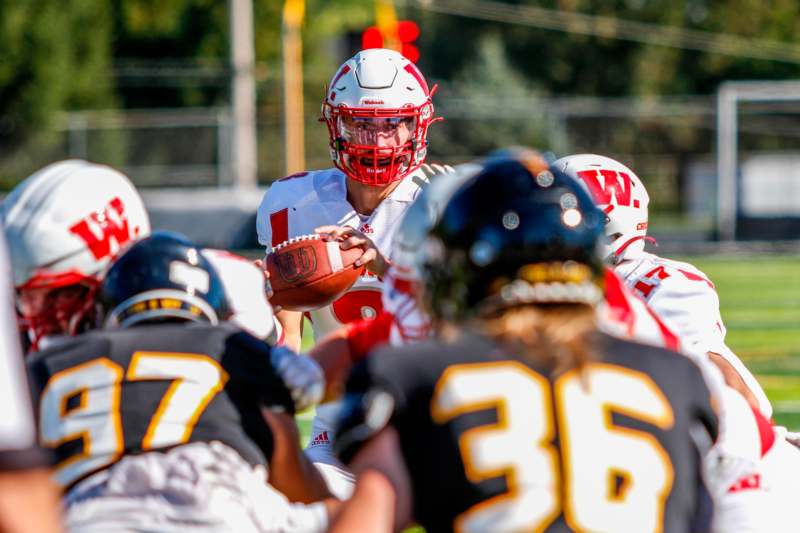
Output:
x=339 y=479
x=199 y=487
x=765 y=499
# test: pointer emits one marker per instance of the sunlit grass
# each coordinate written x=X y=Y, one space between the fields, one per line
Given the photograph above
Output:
x=760 y=304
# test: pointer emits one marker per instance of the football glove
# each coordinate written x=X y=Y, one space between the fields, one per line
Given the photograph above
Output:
x=301 y=375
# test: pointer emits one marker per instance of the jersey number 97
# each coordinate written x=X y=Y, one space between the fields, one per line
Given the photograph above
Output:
x=81 y=405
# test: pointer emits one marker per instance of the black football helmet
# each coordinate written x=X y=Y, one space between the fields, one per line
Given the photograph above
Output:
x=163 y=277
x=518 y=232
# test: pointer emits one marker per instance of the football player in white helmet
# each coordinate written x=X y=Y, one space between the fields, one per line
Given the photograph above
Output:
x=63 y=225
x=402 y=321
x=65 y=222
x=678 y=292
x=746 y=481
x=68 y=221
x=377 y=109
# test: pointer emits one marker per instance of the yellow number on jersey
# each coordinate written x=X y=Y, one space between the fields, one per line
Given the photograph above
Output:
x=615 y=478
x=94 y=388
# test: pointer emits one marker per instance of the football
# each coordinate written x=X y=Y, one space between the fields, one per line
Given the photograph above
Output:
x=307 y=272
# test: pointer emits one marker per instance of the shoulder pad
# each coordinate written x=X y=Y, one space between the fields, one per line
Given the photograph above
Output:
x=672 y=278
x=687 y=271
x=435 y=169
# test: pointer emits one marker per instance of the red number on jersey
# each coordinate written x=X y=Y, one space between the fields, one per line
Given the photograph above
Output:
x=654 y=276
x=357 y=305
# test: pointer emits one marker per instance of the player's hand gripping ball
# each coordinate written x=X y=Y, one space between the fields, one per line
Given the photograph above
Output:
x=307 y=272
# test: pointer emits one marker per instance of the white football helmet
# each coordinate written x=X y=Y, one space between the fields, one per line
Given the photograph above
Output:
x=378 y=109
x=621 y=195
x=63 y=225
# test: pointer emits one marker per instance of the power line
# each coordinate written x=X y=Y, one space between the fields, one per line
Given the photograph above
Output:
x=615 y=28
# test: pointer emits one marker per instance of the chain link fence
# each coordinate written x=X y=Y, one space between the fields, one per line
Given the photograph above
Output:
x=669 y=142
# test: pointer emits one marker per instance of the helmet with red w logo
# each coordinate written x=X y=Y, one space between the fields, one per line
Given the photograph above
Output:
x=619 y=192
x=378 y=109
x=63 y=225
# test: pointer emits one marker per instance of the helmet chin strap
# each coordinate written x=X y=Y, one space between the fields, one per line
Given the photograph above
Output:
x=616 y=256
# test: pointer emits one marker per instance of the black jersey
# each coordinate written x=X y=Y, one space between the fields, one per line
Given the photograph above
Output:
x=495 y=443
x=109 y=393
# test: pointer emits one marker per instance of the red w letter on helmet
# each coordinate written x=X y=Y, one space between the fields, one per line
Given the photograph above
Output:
x=614 y=183
x=104 y=232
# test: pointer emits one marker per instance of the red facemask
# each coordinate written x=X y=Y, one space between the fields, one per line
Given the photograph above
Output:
x=45 y=310
x=378 y=146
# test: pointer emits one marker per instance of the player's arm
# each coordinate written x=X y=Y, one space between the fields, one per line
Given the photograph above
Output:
x=339 y=351
x=381 y=501
x=289 y=470
x=29 y=501
x=270 y=384
x=272 y=205
x=693 y=306
x=733 y=379
x=292 y=324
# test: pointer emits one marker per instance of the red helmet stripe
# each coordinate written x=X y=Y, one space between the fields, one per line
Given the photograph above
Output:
x=345 y=70
x=414 y=71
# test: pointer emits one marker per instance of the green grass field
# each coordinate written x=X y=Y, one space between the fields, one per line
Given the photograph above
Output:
x=760 y=301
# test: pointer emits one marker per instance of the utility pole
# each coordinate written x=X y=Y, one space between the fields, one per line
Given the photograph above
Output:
x=386 y=21
x=243 y=94
x=293 y=112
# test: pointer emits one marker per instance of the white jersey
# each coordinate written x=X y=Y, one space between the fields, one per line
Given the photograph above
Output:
x=17 y=432
x=203 y=487
x=298 y=204
x=244 y=287
x=684 y=297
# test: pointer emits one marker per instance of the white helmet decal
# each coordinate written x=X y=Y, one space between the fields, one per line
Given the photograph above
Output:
x=619 y=192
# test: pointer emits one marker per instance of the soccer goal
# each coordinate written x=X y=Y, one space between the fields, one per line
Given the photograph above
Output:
x=758 y=160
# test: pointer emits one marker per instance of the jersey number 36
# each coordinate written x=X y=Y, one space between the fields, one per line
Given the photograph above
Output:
x=83 y=403
x=625 y=475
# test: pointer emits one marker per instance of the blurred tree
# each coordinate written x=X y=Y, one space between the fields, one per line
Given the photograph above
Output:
x=576 y=64
x=481 y=106
x=54 y=55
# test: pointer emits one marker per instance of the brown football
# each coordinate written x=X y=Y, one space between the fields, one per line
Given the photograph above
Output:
x=307 y=272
